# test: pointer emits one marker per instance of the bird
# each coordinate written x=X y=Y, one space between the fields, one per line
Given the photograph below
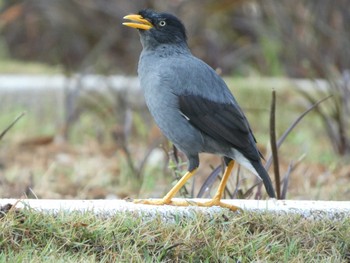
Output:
x=192 y=105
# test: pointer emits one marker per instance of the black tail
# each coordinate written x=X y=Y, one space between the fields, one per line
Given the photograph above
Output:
x=265 y=177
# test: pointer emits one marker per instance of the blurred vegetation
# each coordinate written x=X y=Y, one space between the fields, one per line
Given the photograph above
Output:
x=269 y=37
x=245 y=39
x=111 y=156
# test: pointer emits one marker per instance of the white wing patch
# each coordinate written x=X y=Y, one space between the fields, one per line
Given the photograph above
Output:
x=183 y=115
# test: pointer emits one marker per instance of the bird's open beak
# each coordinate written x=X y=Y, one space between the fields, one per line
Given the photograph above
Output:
x=137 y=22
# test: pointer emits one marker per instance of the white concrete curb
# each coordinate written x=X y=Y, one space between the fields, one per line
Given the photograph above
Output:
x=311 y=209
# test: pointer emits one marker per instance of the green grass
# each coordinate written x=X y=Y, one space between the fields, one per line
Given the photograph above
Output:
x=76 y=170
x=29 y=236
x=11 y=66
x=308 y=137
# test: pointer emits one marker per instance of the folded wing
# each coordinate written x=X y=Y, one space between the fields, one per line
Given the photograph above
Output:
x=224 y=122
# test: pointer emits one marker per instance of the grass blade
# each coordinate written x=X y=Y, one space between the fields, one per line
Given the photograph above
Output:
x=11 y=125
x=208 y=183
x=287 y=132
x=274 y=148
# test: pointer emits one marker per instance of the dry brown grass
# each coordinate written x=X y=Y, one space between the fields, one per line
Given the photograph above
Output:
x=91 y=170
x=88 y=167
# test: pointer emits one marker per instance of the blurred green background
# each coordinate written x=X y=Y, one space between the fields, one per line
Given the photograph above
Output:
x=71 y=66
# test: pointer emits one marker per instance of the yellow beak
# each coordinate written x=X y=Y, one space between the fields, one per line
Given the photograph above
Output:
x=137 y=22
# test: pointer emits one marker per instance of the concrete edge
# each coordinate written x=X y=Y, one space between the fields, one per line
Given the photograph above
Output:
x=335 y=210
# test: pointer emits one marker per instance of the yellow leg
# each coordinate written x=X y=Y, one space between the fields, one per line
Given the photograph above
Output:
x=216 y=201
x=166 y=200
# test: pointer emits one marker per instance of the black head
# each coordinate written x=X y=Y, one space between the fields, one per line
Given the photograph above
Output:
x=158 y=28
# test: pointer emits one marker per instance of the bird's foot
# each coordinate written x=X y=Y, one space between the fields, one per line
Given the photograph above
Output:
x=186 y=202
x=164 y=201
x=152 y=201
x=217 y=202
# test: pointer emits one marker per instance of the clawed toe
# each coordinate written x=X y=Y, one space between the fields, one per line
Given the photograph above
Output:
x=185 y=202
x=219 y=203
x=152 y=201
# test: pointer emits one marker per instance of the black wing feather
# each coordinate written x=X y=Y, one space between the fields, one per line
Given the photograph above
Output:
x=224 y=122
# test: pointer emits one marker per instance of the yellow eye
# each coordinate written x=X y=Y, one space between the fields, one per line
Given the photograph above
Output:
x=162 y=23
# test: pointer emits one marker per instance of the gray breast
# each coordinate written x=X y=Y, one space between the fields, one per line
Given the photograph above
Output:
x=162 y=102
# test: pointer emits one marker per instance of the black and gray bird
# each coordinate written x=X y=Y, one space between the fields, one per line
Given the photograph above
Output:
x=191 y=104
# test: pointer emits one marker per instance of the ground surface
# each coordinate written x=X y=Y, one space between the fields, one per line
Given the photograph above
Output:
x=225 y=237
